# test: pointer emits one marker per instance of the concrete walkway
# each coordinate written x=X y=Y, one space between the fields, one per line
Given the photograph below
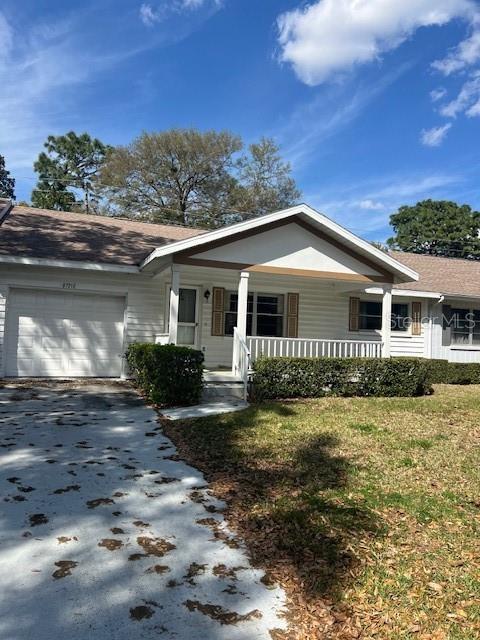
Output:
x=204 y=410
x=105 y=534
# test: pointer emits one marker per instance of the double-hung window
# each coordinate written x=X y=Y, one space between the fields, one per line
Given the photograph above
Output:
x=265 y=314
x=400 y=317
x=369 y=315
x=465 y=327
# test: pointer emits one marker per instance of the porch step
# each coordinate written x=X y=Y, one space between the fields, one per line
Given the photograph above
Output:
x=220 y=376
x=214 y=391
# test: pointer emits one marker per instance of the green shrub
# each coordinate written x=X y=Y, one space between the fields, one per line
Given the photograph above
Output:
x=319 y=377
x=168 y=375
x=443 y=372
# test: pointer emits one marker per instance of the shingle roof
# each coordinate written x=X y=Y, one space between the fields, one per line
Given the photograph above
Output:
x=449 y=276
x=59 y=235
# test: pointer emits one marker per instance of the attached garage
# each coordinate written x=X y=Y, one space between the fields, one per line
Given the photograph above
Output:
x=63 y=334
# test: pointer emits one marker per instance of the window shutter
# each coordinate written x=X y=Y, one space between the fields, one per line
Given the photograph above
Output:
x=416 y=318
x=353 y=314
x=292 y=315
x=218 y=311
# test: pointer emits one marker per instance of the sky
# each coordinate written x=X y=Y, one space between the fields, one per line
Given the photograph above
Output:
x=375 y=103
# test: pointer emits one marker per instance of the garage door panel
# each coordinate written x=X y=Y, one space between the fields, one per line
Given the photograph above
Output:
x=64 y=334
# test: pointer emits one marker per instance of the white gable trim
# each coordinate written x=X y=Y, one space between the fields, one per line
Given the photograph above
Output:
x=314 y=217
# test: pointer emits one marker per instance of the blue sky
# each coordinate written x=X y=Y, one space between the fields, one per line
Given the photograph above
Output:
x=376 y=103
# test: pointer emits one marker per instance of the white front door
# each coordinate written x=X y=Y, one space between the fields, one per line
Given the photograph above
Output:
x=187 y=332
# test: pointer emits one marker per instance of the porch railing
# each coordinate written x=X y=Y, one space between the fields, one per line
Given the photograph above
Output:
x=241 y=362
x=312 y=348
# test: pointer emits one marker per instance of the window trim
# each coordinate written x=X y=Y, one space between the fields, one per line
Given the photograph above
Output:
x=360 y=314
x=470 y=344
x=370 y=332
x=254 y=314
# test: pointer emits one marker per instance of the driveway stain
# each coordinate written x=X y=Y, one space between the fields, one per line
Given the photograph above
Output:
x=65 y=568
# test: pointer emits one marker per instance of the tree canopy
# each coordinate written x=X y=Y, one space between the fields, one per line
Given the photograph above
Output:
x=68 y=168
x=190 y=177
x=7 y=183
x=437 y=227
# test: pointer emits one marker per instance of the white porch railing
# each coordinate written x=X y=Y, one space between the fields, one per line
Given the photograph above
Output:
x=312 y=348
x=241 y=362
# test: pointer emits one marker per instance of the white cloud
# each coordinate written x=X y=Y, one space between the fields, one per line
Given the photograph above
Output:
x=435 y=136
x=464 y=55
x=466 y=99
x=148 y=15
x=438 y=94
x=151 y=16
x=331 y=36
x=371 y=205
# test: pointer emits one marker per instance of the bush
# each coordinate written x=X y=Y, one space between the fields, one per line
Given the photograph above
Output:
x=168 y=375
x=319 y=377
x=443 y=372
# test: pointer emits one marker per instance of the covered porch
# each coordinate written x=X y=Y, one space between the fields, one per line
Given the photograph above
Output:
x=292 y=283
x=237 y=317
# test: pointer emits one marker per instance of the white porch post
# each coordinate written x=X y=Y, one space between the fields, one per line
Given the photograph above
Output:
x=386 y=320
x=242 y=304
x=174 y=297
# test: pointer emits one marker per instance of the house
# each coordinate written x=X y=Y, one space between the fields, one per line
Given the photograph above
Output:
x=75 y=290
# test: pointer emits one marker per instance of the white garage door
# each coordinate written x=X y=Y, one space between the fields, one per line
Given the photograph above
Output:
x=63 y=334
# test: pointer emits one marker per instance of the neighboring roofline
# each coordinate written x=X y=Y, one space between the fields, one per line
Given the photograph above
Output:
x=69 y=264
x=318 y=218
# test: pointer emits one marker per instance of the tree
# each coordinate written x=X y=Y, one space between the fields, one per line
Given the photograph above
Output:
x=69 y=166
x=265 y=180
x=190 y=177
x=437 y=227
x=7 y=183
x=181 y=175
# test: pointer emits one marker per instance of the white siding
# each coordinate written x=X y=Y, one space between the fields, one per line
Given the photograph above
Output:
x=323 y=308
x=290 y=246
x=445 y=351
x=144 y=295
x=403 y=342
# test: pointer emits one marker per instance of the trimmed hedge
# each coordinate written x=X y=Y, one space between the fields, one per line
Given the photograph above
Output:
x=167 y=374
x=318 y=377
x=443 y=372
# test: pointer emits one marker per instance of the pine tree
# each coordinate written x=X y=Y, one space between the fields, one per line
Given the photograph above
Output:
x=7 y=183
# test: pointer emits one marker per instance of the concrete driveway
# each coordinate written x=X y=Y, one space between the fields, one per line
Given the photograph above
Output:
x=105 y=534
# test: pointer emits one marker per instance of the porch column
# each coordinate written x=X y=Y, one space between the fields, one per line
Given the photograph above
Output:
x=174 y=296
x=242 y=304
x=386 y=320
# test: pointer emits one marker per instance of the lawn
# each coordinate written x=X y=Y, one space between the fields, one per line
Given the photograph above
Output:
x=367 y=511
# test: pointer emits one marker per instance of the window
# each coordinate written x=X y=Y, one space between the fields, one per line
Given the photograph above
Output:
x=231 y=307
x=265 y=314
x=400 y=317
x=369 y=316
x=465 y=326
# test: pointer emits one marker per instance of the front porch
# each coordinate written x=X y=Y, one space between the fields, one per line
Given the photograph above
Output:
x=228 y=316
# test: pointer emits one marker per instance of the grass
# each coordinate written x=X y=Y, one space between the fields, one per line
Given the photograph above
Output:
x=366 y=510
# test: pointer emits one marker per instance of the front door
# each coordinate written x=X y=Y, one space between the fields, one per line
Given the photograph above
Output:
x=187 y=332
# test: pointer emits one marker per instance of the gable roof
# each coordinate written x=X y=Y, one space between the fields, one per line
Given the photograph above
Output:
x=304 y=213
x=446 y=276
x=39 y=233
